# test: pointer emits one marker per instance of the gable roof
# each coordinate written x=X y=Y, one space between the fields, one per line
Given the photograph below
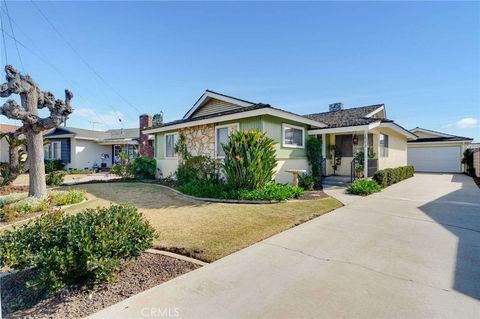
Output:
x=209 y=94
x=439 y=136
x=348 y=117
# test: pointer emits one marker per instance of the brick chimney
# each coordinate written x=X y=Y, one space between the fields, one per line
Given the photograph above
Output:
x=146 y=145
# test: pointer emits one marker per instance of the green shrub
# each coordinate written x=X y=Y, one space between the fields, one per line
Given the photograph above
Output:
x=198 y=168
x=467 y=160
x=55 y=178
x=307 y=182
x=364 y=187
x=390 y=176
x=250 y=159
x=85 y=248
x=61 y=198
x=314 y=156
x=207 y=189
x=76 y=171
x=144 y=167
x=122 y=170
x=24 y=206
x=54 y=165
x=272 y=191
x=12 y=198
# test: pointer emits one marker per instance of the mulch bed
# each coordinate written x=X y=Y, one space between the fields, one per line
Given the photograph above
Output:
x=10 y=189
x=135 y=276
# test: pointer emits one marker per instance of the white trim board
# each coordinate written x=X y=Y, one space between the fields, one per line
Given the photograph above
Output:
x=237 y=116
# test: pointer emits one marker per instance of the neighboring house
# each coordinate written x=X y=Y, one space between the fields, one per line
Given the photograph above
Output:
x=435 y=151
x=214 y=116
x=85 y=149
x=5 y=128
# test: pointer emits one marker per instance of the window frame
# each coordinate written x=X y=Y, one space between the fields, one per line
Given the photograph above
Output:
x=285 y=126
x=383 y=149
x=229 y=131
x=50 y=150
x=175 y=156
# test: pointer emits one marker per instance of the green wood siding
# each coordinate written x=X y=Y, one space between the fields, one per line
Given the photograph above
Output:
x=273 y=127
x=248 y=123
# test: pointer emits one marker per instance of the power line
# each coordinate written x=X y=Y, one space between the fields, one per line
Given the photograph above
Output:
x=13 y=33
x=3 y=39
x=81 y=57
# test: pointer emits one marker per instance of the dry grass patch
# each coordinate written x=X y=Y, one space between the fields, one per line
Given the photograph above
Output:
x=206 y=231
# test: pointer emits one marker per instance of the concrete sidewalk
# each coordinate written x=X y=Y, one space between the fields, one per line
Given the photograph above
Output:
x=411 y=251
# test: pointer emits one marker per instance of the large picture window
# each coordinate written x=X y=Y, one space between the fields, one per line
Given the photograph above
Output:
x=53 y=151
x=293 y=136
x=170 y=142
x=383 y=139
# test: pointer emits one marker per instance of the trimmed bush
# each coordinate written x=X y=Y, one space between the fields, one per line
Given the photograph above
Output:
x=198 y=168
x=61 y=198
x=144 y=167
x=364 y=186
x=122 y=170
x=55 y=178
x=250 y=159
x=272 y=191
x=390 y=176
x=54 y=165
x=85 y=248
x=307 y=182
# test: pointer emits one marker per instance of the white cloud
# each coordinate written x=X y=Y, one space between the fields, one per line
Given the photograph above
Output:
x=465 y=123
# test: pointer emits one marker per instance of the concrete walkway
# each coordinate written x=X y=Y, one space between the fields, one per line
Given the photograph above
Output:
x=411 y=251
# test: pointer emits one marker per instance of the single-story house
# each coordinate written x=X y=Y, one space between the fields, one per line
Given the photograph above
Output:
x=85 y=149
x=435 y=151
x=214 y=116
x=5 y=128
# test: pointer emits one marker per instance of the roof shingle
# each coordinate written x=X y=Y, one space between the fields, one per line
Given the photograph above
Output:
x=346 y=117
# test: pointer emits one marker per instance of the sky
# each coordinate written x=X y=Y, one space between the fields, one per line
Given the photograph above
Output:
x=421 y=59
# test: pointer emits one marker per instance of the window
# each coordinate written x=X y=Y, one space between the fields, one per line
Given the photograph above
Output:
x=293 y=136
x=360 y=146
x=383 y=139
x=344 y=144
x=222 y=134
x=170 y=142
x=53 y=151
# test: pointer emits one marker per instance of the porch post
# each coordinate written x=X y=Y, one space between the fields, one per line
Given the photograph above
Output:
x=365 y=153
x=324 y=146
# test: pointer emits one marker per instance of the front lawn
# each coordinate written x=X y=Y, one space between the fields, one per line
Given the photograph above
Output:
x=206 y=231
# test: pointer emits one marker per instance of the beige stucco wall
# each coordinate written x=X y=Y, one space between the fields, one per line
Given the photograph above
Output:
x=281 y=176
x=397 y=149
x=166 y=167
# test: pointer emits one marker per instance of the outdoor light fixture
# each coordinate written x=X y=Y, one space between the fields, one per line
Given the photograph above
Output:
x=355 y=140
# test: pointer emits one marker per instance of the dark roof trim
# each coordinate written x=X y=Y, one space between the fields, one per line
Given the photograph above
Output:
x=441 y=139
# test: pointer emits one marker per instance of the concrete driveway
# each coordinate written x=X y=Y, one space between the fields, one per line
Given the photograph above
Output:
x=411 y=251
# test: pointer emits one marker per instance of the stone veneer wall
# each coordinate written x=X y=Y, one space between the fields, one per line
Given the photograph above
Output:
x=200 y=139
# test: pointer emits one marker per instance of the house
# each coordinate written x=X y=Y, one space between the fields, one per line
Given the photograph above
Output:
x=5 y=128
x=214 y=116
x=85 y=149
x=435 y=151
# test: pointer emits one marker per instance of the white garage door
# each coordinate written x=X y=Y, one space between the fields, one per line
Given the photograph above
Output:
x=435 y=159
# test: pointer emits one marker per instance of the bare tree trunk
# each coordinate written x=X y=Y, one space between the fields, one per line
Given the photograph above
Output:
x=37 y=185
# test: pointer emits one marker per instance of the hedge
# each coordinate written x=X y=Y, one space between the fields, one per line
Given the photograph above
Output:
x=390 y=176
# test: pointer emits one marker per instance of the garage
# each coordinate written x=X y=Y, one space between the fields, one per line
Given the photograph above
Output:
x=437 y=152
x=435 y=159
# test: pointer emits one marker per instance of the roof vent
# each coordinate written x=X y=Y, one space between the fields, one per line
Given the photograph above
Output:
x=335 y=107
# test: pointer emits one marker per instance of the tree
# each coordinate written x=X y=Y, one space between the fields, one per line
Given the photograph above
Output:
x=32 y=99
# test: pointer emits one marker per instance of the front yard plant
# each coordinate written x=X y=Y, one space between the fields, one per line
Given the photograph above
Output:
x=307 y=182
x=55 y=178
x=61 y=198
x=81 y=249
x=390 y=176
x=364 y=186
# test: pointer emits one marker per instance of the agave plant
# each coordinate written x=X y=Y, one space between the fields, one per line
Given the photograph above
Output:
x=250 y=159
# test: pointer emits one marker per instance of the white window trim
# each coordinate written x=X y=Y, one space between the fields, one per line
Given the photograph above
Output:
x=165 y=145
x=285 y=125
x=229 y=126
